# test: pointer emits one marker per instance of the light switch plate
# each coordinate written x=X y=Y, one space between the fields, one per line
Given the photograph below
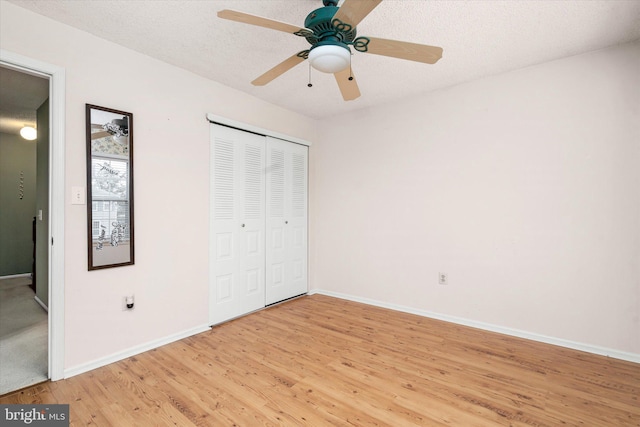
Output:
x=78 y=196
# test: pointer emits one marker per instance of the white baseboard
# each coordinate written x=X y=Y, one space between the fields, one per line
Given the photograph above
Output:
x=70 y=372
x=14 y=276
x=43 y=305
x=616 y=354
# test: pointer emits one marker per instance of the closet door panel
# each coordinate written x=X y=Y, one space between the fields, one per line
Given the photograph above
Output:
x=286 y=220
x=224 y=211
x=251 y=254
x=298 y=219
x=237 y=256
x=275 y=273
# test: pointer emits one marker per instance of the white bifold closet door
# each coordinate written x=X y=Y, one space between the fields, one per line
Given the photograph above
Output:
x=258 y=237
x=237 y=247
x=286 y=220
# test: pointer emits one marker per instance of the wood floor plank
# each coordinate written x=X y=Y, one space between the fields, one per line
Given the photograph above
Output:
x=321 y=361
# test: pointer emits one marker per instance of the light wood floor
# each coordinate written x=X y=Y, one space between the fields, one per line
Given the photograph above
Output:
x=320 y=361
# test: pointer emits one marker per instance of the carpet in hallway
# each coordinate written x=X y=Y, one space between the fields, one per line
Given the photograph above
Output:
x=23 y=336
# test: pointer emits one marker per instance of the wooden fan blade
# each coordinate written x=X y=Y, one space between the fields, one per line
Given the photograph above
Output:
x=348 y=88
x=98 y=135
x=279 y=69
x=404 y=50
x=246 y=18
x=353 y=11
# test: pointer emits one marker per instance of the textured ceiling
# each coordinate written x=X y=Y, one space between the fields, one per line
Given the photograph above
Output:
x=20 y=96
x=479 y=38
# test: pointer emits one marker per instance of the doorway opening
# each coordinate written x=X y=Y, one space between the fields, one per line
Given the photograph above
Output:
x=46 y=243
x=24 y=196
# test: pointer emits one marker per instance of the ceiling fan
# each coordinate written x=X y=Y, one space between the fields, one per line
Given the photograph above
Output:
x=331 y=31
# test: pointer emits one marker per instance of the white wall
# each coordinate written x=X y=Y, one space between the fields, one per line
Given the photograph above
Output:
x=171 y=155
x=523 y=187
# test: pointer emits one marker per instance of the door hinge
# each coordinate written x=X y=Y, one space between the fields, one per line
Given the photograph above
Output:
x=52 y=241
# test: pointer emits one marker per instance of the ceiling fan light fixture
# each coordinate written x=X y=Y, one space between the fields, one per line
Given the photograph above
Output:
x=29 y=133
x=330 y=58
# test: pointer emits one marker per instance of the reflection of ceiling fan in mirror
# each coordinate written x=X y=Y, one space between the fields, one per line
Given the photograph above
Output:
x=331 y=31
x=97 y=132
x=116 y=128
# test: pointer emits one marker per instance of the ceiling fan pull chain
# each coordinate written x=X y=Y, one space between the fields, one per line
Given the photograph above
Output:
x=350 y=70
x=309 y=84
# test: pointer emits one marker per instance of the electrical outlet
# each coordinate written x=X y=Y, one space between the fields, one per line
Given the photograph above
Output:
x=443 y=278
x=127 y=303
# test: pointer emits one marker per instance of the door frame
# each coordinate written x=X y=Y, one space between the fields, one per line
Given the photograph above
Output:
x=56 y=76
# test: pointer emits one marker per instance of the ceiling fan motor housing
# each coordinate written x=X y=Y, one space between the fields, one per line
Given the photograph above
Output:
x=325 y=31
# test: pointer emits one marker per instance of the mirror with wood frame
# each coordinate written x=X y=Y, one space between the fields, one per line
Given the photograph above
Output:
x=109 y=187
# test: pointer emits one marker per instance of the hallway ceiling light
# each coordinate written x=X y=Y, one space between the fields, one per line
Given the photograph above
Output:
x=29 y=133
